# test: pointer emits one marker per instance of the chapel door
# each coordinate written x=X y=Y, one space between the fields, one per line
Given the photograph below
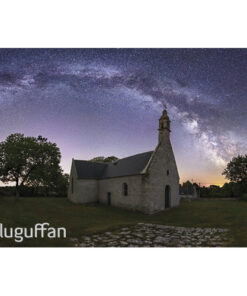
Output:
x=109 y=198
x=167 y=197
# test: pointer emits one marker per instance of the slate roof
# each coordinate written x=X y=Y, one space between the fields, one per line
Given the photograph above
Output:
x=89 y=170
x=132 y=165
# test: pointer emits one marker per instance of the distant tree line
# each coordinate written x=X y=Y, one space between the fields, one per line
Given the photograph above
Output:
x=60 y=190
x=235 y=172
x=231 y=189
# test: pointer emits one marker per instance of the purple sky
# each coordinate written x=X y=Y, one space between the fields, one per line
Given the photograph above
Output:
x=94 y=102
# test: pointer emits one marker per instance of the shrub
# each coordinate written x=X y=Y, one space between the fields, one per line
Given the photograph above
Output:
x=244 y=197
x=7 y=191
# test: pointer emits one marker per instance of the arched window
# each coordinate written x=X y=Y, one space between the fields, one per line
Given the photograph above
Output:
x=125 y=189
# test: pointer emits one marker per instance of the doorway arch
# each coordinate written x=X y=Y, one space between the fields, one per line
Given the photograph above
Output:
x=167 y=196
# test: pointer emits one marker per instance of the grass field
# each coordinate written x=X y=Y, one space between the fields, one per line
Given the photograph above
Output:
x=89 y=219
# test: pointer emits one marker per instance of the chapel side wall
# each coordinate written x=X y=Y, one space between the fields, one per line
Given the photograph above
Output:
x=86 y=191
x=157 y=179
x=134 y=199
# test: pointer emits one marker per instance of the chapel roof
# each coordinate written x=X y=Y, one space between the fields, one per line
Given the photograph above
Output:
x=132 y=165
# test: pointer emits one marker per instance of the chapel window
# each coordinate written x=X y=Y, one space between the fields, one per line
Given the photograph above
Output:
x=125 y=189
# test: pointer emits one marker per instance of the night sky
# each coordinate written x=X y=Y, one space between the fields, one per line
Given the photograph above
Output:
x=94 y=102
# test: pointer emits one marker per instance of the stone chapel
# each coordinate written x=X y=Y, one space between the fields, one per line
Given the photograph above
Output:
x=146 y=182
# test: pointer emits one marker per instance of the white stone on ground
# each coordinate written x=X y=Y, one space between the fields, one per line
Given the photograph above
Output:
x=154 y=235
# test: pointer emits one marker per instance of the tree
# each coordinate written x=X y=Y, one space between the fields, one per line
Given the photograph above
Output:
x=56 y=185
x=187 y=187
x=103 y=159
x=98 y=159
x=236 y=170
x=110 y=159
x=29 y=161
x=62 y=185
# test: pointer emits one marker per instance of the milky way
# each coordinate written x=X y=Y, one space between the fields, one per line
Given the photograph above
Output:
x=107 y=101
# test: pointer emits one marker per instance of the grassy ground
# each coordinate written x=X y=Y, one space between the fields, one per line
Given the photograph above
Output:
x=88 y=219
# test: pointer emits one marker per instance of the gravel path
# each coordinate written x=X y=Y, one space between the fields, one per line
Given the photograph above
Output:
x=154 y=235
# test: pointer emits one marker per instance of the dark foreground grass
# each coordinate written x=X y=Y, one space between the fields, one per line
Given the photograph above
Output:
x=88 y=219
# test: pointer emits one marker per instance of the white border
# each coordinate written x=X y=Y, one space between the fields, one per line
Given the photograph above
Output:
x=129 y=23
x=53 y=23
x=123 y=272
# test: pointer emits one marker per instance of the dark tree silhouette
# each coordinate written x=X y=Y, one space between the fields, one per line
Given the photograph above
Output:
x=236 y=170
x=29 y=161
x=104 y=159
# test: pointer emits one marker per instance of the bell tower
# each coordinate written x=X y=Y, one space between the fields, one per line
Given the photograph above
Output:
x=164 y=125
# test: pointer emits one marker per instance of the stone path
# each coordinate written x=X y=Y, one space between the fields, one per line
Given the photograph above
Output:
x=154 y=235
